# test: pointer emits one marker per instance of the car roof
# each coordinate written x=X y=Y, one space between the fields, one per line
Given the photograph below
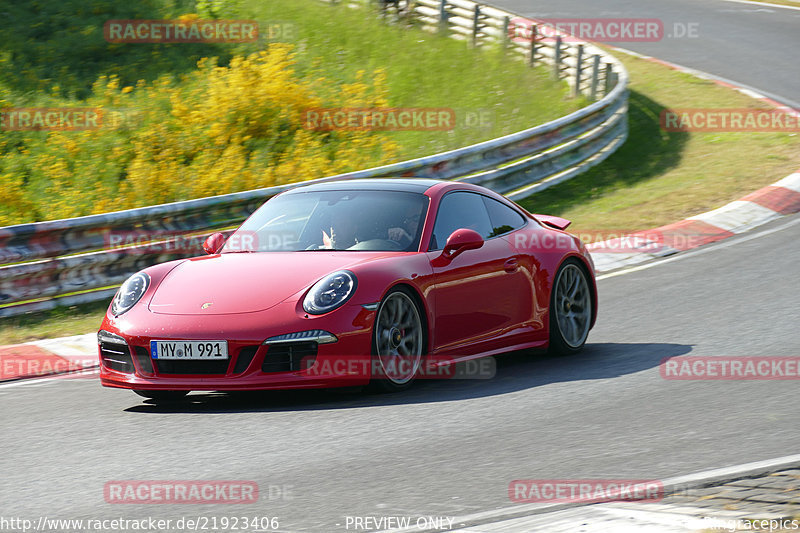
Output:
x=433 y=187
x=418 y=185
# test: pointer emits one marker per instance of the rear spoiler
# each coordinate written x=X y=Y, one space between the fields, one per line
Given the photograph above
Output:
x=552 y=221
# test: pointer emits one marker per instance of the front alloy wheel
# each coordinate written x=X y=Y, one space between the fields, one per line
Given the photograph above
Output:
x=398 y=342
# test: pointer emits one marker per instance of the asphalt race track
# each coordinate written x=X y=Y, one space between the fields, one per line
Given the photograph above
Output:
x=450 y=448
x=750 y=44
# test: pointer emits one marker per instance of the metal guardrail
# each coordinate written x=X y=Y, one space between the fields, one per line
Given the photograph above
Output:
x=71 y=261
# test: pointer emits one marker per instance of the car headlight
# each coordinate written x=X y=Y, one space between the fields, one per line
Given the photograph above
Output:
x=130 y=293
x=330 y=292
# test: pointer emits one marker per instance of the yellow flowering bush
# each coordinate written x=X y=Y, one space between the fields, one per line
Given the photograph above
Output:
x=216 y=130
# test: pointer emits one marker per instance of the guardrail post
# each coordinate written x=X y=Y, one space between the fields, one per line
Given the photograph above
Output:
x=532 y=58
x=410 y=10
x=557 y=59
x=578 y=68
x=506 y=28
x=476 y=21
x=609 y=68
x=595 y=74
x=443 y=16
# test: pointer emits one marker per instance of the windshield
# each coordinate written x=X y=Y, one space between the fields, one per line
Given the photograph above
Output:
x=334 y=220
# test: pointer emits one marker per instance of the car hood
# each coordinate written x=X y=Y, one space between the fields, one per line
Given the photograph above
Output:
x=245 y=282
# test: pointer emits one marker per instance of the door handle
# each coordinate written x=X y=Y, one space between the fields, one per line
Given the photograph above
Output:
x=511 y=265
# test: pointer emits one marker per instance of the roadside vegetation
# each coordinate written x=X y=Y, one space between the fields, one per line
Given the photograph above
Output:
x=60 y=322
x=659 y=177
x=656 y=178
x=194 y=120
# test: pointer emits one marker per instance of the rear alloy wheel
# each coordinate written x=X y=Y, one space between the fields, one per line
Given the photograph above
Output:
x=398 y=342
x=163 y=395
x=570 y=309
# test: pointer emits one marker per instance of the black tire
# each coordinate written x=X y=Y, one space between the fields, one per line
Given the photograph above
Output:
x=163 y=395
x=571 y=309
x=395 y=372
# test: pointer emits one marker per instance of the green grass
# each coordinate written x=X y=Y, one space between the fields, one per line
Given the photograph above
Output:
x=55 y=52
x=654 y=179
x=659 y=177
x=423 y=70
x=57 y=47
x=60 y=322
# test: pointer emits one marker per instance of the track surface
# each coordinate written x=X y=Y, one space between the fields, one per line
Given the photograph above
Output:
x=447 y=448
x=451 y=448
x=751 y=44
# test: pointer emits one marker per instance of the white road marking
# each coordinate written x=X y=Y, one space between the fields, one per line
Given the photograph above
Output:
x=704 y=250
x=792 y=181
x=677 y=483
x=738 y=216
x=737 y=85
x=750 y=2
x=35 y=382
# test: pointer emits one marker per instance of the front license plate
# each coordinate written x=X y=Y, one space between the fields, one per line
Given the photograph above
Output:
x=192 y=350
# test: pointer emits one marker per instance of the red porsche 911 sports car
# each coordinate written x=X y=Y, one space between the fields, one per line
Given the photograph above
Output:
x=348 y=283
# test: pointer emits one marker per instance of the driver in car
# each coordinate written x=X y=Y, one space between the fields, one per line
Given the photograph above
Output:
x=404 y=234
x=342 y=232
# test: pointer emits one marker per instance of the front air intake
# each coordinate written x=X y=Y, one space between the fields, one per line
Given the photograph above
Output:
x=289 y=356
x=114 y=352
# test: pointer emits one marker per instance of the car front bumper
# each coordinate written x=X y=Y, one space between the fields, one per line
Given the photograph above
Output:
x=253 y=364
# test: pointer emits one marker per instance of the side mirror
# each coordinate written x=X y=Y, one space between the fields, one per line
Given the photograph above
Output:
x=214 y=243
x=461 y=240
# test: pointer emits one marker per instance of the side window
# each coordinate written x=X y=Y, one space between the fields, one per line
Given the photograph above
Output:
x=502 y=217
x=459 y=210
